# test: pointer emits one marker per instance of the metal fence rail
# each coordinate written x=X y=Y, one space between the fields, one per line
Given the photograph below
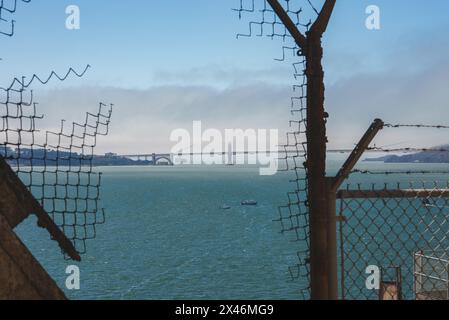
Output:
x=386 y=228
x=377 y=227
x=431 y=271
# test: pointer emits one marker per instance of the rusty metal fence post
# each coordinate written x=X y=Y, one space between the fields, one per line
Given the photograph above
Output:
x=333 y=185
x=322 y=189
x=316 y=164
x=320 y=222
x=311 y=45
x=311 y=212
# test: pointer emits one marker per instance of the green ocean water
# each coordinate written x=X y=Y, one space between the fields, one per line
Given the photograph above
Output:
x=166 y=237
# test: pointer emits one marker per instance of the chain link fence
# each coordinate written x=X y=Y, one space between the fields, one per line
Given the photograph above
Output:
x=56 y=166
x=431 y=271
x=294 y=215
x=389 y=229
x=392 y=239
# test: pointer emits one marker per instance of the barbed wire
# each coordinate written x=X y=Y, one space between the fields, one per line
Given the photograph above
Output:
x=414 y=156
x=294 y=216
x=416 y=126
x=402 y=172
x=407 y=149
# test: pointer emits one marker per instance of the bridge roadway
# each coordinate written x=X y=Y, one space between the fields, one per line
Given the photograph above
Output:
x=156 y=158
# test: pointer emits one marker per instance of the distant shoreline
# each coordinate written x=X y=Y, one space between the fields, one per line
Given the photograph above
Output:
x=425 y=157
x=52 y=158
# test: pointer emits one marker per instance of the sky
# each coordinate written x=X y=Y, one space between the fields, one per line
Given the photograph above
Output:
x=167 y=63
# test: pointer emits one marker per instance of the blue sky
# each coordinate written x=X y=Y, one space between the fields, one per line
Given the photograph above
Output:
x=129 y=43
x=138 y=46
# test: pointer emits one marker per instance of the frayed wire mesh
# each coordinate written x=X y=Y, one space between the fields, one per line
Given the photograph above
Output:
x=294 y=216
x=7 y=9
x=383 y=216
x=56 y=166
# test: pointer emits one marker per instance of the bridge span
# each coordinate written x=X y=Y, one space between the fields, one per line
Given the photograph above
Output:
x=156 y=159
x=168 y=158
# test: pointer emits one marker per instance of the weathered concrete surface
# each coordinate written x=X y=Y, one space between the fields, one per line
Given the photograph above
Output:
x=13 y=203
x=21 y=275
x=17 y=203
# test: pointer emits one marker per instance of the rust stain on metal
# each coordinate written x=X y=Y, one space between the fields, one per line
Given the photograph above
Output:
x=322 y=217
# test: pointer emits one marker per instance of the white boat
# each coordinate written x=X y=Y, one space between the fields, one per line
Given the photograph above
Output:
x=249 y=203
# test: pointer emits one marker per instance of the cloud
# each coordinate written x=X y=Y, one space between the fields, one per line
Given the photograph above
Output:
x=224 y=76
x=411 y=87
x=143 y=120
x=396 y=96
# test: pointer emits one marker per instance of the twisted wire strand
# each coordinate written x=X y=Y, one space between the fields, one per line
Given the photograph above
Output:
x=436 y=152
x=401 y=172
x=407 y=149
x=393 y=224
x=419 y=126
x=23 y=84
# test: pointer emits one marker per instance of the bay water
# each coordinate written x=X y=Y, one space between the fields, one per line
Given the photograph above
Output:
x=166 y=235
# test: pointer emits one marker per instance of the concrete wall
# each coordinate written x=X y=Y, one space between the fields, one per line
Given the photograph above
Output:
x=21 y=275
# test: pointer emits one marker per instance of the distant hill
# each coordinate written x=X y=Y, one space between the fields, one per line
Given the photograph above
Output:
x=42 y=157
x=430 y=156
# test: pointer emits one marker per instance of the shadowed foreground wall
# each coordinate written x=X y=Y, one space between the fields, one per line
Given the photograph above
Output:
x=21 y=275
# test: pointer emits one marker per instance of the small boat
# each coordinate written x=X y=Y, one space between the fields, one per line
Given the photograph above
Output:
x=249 y=203
x=225 y=207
